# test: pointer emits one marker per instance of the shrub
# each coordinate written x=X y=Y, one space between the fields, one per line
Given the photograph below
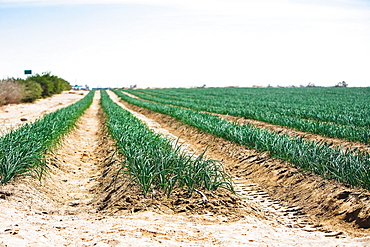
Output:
x=32 y=91
x=50 y=84
x=34 y=87
x=10 y=91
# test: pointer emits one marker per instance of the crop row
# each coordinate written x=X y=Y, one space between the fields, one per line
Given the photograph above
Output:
x=150 y=160
x=349 y=167
x=22 y=151
x=333 y=112
x=336 y=105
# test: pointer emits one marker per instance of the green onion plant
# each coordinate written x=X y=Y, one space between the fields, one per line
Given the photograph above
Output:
x=350 y=167
x=150 y=160
x=22 y=151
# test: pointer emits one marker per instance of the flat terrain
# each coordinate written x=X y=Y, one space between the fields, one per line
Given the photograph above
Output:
x=77 y=205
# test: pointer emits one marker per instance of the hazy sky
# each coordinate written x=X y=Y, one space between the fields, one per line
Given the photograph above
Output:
x=179 y=43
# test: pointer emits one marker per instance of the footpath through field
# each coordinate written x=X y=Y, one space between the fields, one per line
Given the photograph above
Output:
x=62 y=210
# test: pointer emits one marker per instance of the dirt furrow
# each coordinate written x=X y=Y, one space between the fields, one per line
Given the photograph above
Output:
x=78 y=163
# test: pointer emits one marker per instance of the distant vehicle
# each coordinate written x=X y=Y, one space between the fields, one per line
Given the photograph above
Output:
x=80 y=87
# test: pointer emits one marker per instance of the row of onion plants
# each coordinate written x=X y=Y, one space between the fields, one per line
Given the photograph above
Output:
x=151 y=161
x=346 y=166
x=22 y=150
x=350 y=128
x=344 y=106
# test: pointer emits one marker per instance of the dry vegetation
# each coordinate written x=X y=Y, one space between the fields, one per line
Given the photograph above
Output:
x=10 y=91
x=17 y=90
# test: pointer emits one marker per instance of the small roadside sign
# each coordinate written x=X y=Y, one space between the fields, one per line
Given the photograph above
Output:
x=28 y=72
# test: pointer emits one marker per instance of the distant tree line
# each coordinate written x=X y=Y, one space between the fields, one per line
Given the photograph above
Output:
x=339 y=84
x=16 y=90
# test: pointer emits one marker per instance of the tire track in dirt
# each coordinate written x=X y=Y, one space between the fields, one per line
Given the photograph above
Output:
x=307 y=198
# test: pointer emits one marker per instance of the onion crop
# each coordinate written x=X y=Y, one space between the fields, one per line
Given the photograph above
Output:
x=22 y=151
x=150 y=160
x=345 y=166
x=333 y=112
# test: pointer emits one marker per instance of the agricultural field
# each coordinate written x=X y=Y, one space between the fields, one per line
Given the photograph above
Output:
x=190 y=167
x=334 y=112
x=345 y=166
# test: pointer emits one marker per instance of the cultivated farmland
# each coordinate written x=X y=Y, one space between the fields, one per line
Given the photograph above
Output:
x=334 y=112
x=179 y=167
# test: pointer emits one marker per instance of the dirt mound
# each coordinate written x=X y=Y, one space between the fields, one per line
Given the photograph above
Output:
x=117 y=195
x=121 y=196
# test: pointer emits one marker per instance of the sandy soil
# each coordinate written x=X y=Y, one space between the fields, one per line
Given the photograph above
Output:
x=14 y=115
x=78 y=205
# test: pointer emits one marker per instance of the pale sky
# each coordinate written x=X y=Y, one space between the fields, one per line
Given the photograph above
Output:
x=181 y=43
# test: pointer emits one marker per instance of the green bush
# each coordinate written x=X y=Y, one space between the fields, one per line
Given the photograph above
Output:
x=32 y=91
x=50 y=84
x=18 y=90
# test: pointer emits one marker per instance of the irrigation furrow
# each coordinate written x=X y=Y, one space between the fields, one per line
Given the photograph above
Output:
x=77 y=165
x=272 y=209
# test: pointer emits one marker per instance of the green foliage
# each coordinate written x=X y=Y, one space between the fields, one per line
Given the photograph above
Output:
x=348 y=167
x=50 y=84
x=150 y=160
x=334 y=112
x=32 y=91
x=16 y=90
x=22 y=150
